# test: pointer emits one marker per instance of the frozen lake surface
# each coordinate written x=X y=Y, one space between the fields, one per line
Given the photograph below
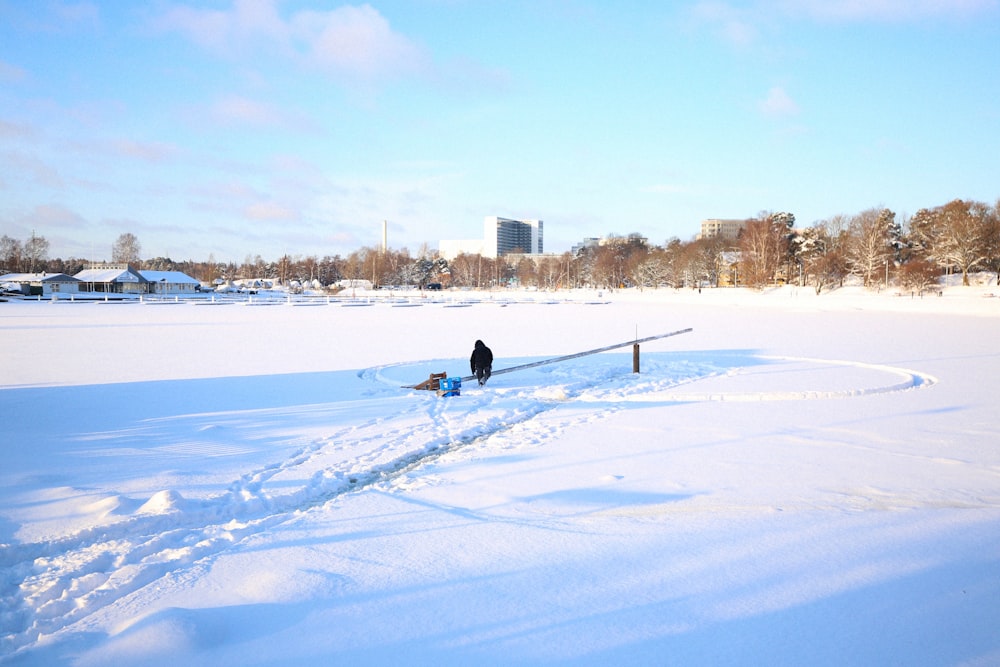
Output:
x=799 y=480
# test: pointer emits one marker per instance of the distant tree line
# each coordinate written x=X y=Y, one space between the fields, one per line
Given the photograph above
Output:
x=959 y=237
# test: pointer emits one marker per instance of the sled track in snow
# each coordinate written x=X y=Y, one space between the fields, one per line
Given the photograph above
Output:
x=57 y=586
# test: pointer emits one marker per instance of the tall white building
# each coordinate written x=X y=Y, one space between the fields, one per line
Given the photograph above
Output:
x=501 y=236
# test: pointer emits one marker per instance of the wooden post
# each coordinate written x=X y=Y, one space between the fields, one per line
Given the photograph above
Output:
x=635 y=358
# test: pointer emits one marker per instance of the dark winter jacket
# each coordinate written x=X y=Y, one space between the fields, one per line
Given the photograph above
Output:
x=482 y=357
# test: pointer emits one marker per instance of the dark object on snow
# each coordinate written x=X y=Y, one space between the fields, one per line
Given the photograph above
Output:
x=481 y=362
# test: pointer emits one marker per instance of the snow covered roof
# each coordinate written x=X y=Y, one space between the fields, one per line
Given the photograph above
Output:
x=172 y=277
x=110 y=276
x=37 y=278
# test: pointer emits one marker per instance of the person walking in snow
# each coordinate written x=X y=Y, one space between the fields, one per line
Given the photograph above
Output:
x=481 y=362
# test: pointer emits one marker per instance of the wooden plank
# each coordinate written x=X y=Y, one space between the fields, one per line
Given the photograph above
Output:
x=577 y=355
x=432 y=383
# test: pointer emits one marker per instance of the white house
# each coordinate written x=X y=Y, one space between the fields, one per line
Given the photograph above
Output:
x=113 y=278
x=40 y=284
x=170 y=282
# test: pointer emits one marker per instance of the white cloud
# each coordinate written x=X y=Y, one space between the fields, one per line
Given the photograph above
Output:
x=732 y=24
x=356 y=42
x=226 y=31
x=778 y=103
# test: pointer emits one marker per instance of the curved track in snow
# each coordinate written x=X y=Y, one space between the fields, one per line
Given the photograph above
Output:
x=905 y=380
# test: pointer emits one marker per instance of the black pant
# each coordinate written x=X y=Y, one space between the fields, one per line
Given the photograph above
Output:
x=483 y=374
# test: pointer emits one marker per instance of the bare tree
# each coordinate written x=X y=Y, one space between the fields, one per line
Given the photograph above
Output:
x=636 y=254
x=701 y=260
x=10 y=254
x=247 y=268
x=569 y=270
x=526 y=272
x=957 y=235
x=763 y=247
x=965 y=237
x=499 y=273
x=463 y=270
x=819 y=250
x=126 y=249
x=36 y=252
x=210 y=271
x=70 y=266
x=394 y=266
x=329 y=269
x=918 y=275
x=615 y=263
x=653 y=269
x=871 y=243
x=992 y=223
x=550 y=273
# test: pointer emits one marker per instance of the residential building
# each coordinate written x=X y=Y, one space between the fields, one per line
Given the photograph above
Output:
x=170 y=282
x=113 y=279
x=726 y=229
x=40 y=284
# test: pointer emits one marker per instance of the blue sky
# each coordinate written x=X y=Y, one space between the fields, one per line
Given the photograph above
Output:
x=231 y=128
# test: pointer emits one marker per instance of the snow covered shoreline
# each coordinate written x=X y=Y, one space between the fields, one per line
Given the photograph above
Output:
x=801 y=479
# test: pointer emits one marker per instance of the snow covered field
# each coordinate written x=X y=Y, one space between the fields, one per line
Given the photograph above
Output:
x=799 y=480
